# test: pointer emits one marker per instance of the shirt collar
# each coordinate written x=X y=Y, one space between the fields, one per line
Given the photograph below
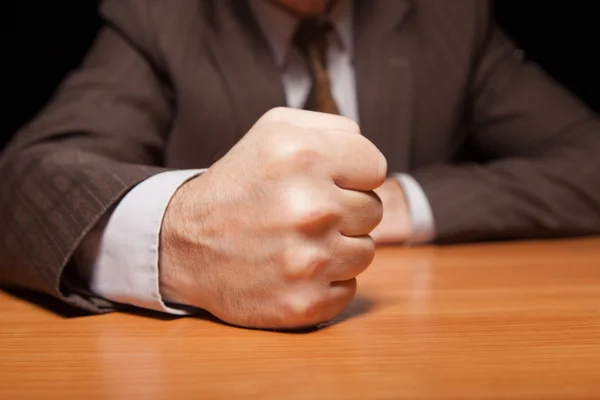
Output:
x=279 y=26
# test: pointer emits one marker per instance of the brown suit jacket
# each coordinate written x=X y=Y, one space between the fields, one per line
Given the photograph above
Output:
x=500 y=150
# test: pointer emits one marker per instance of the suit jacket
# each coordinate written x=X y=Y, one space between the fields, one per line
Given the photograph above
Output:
x=500 y=150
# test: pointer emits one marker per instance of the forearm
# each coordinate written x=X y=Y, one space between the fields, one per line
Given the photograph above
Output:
x=103 y=132
x=540 y=145
x=553 y=193
x=51 y=198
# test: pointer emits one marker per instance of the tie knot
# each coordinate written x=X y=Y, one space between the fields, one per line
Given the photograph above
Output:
x=310 y=39
x=312 y=33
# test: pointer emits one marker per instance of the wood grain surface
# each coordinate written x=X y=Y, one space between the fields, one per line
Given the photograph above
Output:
x=487 y=321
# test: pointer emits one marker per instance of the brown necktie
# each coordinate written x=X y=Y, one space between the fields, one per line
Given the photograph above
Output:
x=311 y=40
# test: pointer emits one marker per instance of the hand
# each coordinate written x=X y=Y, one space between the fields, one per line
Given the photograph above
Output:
x=395 y=226
x=274 y=234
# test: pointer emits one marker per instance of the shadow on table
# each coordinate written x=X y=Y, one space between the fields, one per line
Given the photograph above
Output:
x=360 y=305
x=64 y=310
x=45 y=302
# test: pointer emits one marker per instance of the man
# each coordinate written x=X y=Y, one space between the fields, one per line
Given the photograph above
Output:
x=166 y=174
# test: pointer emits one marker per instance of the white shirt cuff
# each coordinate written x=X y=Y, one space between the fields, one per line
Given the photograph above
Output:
x=420 y=211
x=120 y=256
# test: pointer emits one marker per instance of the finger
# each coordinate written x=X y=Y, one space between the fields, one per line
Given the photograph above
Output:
x=356 y=163
x=362 y=212
x=351 y=257
x=310 y=120
x=310 y=303
x=339 y=296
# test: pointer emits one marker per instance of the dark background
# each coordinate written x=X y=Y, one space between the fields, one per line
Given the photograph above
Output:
x=43 y=40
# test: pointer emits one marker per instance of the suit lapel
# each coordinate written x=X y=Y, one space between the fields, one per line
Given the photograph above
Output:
x=384 y=76
x=244 y=59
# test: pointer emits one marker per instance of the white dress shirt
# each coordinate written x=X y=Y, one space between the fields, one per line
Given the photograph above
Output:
x=119 y=257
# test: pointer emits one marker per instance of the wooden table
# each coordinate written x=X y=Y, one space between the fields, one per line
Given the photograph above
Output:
x=494 y=321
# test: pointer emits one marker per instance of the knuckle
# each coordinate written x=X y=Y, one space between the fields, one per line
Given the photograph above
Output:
x=274 y=114
x=290 y=151
x=298 y=152
x=306 y=212
x=304 y=264
x=302 y=309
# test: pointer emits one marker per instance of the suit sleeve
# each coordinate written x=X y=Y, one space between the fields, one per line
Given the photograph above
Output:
x=102 y=133
x=119 y=257
x=540 y=146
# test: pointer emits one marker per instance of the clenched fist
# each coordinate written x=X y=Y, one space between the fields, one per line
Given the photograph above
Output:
x=274 y=234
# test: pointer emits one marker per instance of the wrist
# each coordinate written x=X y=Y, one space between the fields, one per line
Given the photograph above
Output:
x=176 y=249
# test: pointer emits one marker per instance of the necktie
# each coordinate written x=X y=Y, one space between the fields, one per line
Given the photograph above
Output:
x=311 y=40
